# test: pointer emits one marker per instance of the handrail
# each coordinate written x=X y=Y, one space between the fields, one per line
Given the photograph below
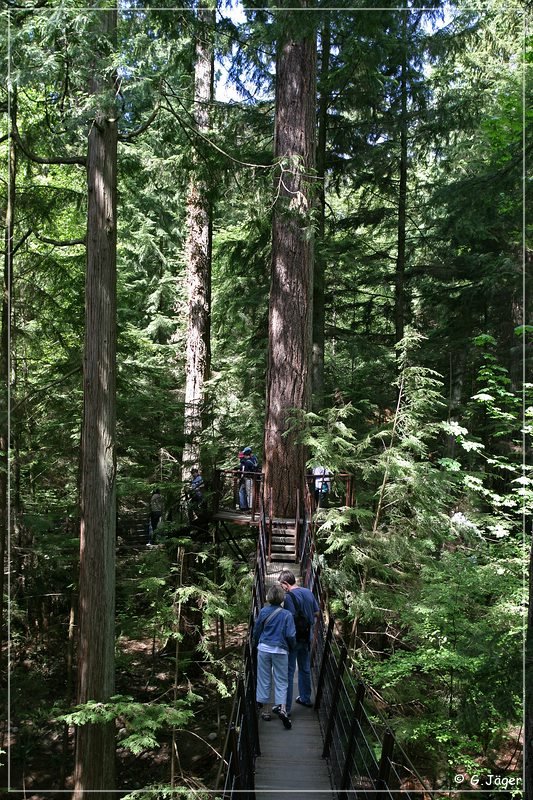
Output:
x=358 y=743
x=334 y=479
x=227 y=483
x=353 y=728
x=242 y=741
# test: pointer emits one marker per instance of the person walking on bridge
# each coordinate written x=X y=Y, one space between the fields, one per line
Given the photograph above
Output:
x=302 y=604
x=274 y=636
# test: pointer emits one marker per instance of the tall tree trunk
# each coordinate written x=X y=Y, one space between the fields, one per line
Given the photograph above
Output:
x=94 y=771
x=319 y=309
x=198 y=254
x=5 y=347
x=399 y=297
x=291 y=291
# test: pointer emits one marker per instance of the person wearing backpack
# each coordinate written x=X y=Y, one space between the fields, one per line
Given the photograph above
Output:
x=322 y=480
x=302 y=604
x=274 y=636
x=248 y=466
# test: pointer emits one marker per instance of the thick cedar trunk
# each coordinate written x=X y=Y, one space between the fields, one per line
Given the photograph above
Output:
x=399 y=298
x=291 y=292
x=198 y=257
x=319 y=314
x=4 y=355
x=95 y=746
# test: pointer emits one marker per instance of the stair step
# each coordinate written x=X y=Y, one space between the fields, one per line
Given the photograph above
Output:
x=283 y=539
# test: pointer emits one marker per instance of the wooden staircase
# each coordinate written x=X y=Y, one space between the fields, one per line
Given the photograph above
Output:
x=132 y=533
x=283 y=542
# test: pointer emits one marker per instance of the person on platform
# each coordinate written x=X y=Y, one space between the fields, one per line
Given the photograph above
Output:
x=322 y=481
x=195 y=495
x=156 y=512
x=248 y=466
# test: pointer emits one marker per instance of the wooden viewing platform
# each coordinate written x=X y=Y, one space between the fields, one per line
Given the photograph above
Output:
x=291 y=762
x=236 y=517
x=246 y=518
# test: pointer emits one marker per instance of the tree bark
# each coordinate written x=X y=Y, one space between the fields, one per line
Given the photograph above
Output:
x=319 y=308
x=198 y=255
x=94 y=770
x=5 y=348
x=291 y=292
x=399 y=297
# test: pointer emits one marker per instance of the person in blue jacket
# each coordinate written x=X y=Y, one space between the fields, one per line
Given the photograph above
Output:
x=274 y=635
x=299 y=600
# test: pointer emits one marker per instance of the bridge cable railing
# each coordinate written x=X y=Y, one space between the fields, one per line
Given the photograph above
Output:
x=364 y=758
x=242 y=746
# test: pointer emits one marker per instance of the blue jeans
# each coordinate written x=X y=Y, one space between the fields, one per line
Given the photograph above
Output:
x=301 y=655
x=269 y=664
x=244 y=503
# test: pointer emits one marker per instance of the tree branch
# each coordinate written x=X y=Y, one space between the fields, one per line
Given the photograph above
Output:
x=60 y=242
x=127 y=137
x=21 y=242
x=59 y=380
x=40 y=160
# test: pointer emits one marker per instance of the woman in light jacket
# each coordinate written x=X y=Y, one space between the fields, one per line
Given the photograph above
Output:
x=274 y=635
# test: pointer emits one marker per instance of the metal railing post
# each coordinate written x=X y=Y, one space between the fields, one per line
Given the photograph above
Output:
x=234 y=745
x=335 y=699
x=385 y=760
x=297 y=521
x=269 y=522
x=352 y=737
x=323 y=664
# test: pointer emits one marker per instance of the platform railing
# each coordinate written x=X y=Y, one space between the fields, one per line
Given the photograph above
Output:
x=226 y=483
x=341 y=490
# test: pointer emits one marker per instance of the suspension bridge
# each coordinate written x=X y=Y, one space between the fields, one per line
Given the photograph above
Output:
x=342 y=747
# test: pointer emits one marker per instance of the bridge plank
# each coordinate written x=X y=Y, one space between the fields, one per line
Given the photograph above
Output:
x=291 y=762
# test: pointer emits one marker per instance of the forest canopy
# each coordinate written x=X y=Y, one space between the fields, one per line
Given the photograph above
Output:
x=296 y=228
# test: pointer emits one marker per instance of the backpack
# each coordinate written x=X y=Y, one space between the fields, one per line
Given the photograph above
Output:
x=301 y=623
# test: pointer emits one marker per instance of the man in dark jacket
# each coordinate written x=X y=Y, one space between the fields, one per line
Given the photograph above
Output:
x=300 y=602
x=248 y=466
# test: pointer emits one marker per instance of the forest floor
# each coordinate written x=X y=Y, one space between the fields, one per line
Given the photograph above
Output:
x=39 y=761
x=42 y=753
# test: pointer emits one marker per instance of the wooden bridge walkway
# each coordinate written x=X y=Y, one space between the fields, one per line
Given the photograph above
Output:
x=291 y=762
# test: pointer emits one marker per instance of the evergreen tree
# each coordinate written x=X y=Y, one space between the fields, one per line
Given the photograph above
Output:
x=198 y=254
x=95 y=744
x=290 y=309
